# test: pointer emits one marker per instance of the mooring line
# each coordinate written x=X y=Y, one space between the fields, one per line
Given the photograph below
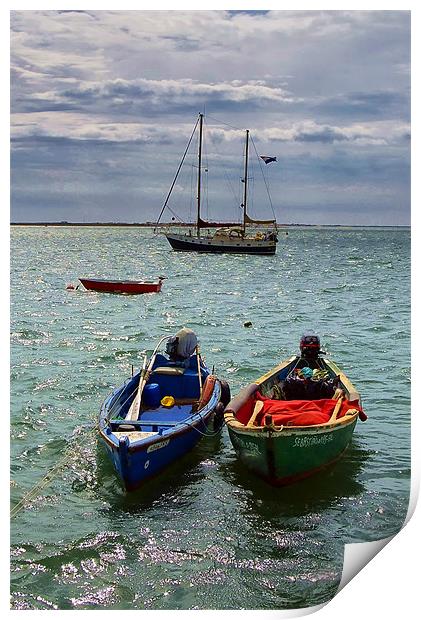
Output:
x=50 y=475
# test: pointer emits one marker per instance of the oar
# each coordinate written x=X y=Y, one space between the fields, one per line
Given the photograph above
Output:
x=257 y=409
x=336 y=409
x=133 y=413
x=199 y=372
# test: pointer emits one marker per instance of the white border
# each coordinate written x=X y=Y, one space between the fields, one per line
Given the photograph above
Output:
x=386 y=587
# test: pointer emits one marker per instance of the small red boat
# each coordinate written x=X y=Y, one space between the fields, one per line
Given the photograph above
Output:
x=124 y=287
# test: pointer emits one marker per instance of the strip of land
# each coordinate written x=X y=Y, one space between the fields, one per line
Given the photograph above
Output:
x=165 y=224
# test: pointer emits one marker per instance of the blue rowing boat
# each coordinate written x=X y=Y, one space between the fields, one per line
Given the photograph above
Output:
x=162 y=411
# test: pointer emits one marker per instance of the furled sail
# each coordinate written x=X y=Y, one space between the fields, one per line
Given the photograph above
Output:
x=248 y=220
x=203 y=224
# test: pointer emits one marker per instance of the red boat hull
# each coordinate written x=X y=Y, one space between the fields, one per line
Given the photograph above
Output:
x=122 y=287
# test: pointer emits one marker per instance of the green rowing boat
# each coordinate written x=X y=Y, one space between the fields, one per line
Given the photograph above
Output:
x=296 y=419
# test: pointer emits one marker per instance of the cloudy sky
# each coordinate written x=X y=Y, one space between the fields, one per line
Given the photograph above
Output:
x=104 y=102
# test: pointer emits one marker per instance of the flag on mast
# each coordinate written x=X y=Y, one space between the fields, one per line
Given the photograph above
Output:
x=267 y=159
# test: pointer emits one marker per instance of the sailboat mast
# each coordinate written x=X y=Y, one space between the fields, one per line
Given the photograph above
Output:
x=246 y=162
x=199 y=172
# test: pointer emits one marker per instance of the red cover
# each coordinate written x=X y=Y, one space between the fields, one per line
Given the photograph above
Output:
x=296 y=412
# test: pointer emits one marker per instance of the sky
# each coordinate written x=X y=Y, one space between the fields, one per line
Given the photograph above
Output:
x=103 y=103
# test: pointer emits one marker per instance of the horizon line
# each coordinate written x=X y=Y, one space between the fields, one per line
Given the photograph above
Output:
x=165 y=224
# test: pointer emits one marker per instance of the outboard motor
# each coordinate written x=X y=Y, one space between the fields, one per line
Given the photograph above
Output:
x=310 y=346
x=181 y=346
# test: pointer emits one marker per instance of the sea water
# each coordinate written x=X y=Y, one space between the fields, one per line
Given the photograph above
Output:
x=206 y=534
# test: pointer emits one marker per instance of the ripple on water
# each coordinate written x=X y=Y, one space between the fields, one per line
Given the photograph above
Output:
x=205 y=534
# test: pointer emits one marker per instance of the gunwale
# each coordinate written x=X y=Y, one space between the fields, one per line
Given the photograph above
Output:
x=200 y=416
x=284 y=454
x=127 y=287
x=350 y=389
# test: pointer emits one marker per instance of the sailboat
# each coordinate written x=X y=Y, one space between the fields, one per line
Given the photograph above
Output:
x=249 y=236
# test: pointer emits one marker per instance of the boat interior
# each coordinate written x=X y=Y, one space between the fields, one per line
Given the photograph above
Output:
x=303 y=379
x=304 y=391
x=170 y=395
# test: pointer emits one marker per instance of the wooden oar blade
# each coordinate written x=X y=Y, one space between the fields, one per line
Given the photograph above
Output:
x=257 y=409
x=133 y=412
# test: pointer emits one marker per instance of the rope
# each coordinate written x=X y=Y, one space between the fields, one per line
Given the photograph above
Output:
x=208 y=433
x=118 y=405
x=55 y=470
x=236 y=195
x=69 y=453
x=206 y=167
x=39 y=486
x=258 y=159
x=176 y=175
x=223 y=123
x=264 y=179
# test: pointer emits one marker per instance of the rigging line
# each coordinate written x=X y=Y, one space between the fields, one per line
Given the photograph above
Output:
x=264 y=179
x=206 y=179
x=222 y=123
x=191 y=193
x=175 y=215
x=251 y=183
x=176 y=174
x=207 y=193
x=236 y=196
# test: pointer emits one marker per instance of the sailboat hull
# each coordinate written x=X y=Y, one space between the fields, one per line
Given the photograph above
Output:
x=184 y=243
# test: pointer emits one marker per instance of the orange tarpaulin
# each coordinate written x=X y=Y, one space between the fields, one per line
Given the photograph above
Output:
x=296 y=412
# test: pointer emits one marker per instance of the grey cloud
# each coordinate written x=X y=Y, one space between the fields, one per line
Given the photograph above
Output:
x=72 y=126
x=99 y=96
x=162 y=93
x=367 y=104
x=325 y=135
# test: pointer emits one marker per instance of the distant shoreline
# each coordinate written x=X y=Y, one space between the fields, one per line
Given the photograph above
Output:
x=136 y=224
x=152 y=225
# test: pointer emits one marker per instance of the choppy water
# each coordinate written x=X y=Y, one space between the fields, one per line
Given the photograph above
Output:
x=205 y=534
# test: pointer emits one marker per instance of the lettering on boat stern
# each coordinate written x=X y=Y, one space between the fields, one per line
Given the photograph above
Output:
x=248 y=446
x=157 y=446
x=306 y=442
